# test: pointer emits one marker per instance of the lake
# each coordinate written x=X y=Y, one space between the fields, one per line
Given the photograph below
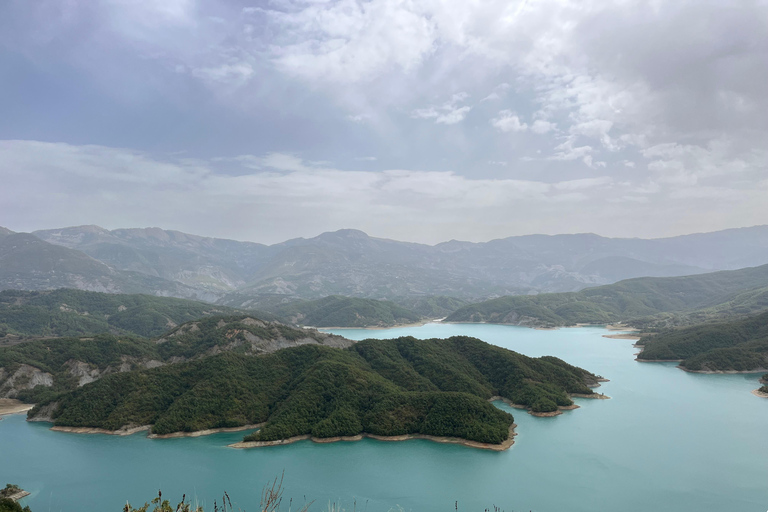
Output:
x=667 y=441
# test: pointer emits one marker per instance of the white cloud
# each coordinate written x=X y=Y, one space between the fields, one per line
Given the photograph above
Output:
x=507 y=121
x=540 y=126
x=448 y=113
x=566 y=151
x=351 y=41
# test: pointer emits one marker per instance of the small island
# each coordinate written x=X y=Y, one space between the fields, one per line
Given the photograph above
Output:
x=762 y=392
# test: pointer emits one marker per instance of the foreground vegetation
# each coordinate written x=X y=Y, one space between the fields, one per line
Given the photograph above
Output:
x=390 y=387
x=738 y=345
x=649 y=303
x=67 y=312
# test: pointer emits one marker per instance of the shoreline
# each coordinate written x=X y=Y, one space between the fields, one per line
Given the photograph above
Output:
x=759 y=393
x=633 y=337
x=723 y=372
x=95 y=430
x=127 y=431
x=560 y=408
x=505 y=445
x=206 y=432
x=378 y=328
x=13 y=406
x=145 y=428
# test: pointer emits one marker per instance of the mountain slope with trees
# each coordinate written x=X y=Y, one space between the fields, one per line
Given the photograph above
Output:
x=740 y=345
x=67 y=312
x=385 y=387
x=39 y=369
x=690 y=299
x=337 y=311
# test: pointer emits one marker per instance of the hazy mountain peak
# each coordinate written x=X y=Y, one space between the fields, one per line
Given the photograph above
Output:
x=349 y=234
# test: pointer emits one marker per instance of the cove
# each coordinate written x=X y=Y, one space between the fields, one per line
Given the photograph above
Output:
x=667 y=440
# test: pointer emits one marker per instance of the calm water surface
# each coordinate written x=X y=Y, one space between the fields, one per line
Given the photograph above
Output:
x=667 y=441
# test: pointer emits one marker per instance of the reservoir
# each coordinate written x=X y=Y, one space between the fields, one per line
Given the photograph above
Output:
x=667 y=440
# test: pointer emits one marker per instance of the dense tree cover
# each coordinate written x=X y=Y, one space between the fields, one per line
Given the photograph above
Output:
x=107 y=353
x=390 y=387
x=740 y=345
x=646 y=302
x=67 y=312
x=338 y=311
x=8 y=505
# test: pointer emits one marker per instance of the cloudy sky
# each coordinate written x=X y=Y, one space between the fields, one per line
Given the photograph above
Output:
x=423 y=120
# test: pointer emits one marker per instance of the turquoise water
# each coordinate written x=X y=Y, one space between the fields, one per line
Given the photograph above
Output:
x=667 y=441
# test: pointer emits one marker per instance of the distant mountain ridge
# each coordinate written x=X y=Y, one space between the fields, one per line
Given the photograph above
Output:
x=350 y=263
x=649 y=302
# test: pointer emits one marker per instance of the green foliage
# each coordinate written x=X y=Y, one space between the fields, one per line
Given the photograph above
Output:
x=161 y=505
x=66 y=312
x=107 y=353
x=337 y=311
x=647 y=302
x=390 y=387
x=740 y=345
x=8 y=505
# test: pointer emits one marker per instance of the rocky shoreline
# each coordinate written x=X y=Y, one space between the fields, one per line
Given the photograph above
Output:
x=560 y=408
x=407 y=437
x=12 y=406
x=626 y=336
x=127 y=431
x=723 y=372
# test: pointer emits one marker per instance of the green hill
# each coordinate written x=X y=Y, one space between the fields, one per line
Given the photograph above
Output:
x=39 y=369
x=739 y=345
x=389 y=387
x=337 y=311
x=67 y=312
x=647 y=302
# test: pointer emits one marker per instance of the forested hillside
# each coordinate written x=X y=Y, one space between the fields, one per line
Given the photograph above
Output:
x=336 y=311
x=67 y=312
x=649 y=302
x=29 y=263
x=389 y=387
x=35 y=370
x=740 y=345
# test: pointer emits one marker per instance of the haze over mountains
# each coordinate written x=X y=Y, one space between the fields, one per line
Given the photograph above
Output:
x=351 y=263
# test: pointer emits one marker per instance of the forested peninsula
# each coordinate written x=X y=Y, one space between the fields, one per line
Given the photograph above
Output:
x=738 y=345
x=381 y=387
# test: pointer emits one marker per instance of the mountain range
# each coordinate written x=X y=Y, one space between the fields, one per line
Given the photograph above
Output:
x=351 y=263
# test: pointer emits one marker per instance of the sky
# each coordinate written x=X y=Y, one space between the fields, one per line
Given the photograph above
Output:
x=424 y=120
